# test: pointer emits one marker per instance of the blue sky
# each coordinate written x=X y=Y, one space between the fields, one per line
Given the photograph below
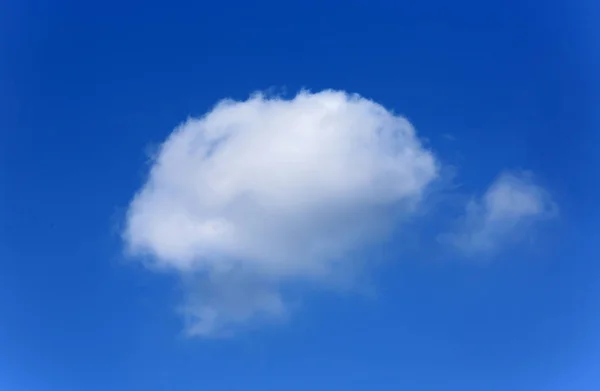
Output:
x=454 y=249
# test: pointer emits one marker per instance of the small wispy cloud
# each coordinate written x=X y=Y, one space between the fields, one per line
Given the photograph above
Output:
x=266 y=192
x=503 y=215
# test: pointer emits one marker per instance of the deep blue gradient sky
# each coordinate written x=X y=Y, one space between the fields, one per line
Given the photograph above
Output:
x=87 y=89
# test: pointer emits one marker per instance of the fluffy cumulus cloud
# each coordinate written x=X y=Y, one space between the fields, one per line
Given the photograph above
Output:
x=264 y=192
x=505 y=213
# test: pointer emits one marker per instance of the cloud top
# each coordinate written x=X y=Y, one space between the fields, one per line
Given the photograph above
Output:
x=262 y=191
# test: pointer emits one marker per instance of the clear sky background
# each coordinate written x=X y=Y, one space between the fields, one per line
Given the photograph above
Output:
x=89 y=91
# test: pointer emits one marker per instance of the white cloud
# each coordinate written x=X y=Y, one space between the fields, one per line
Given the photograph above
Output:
x=260 y=193
x=503 y=215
